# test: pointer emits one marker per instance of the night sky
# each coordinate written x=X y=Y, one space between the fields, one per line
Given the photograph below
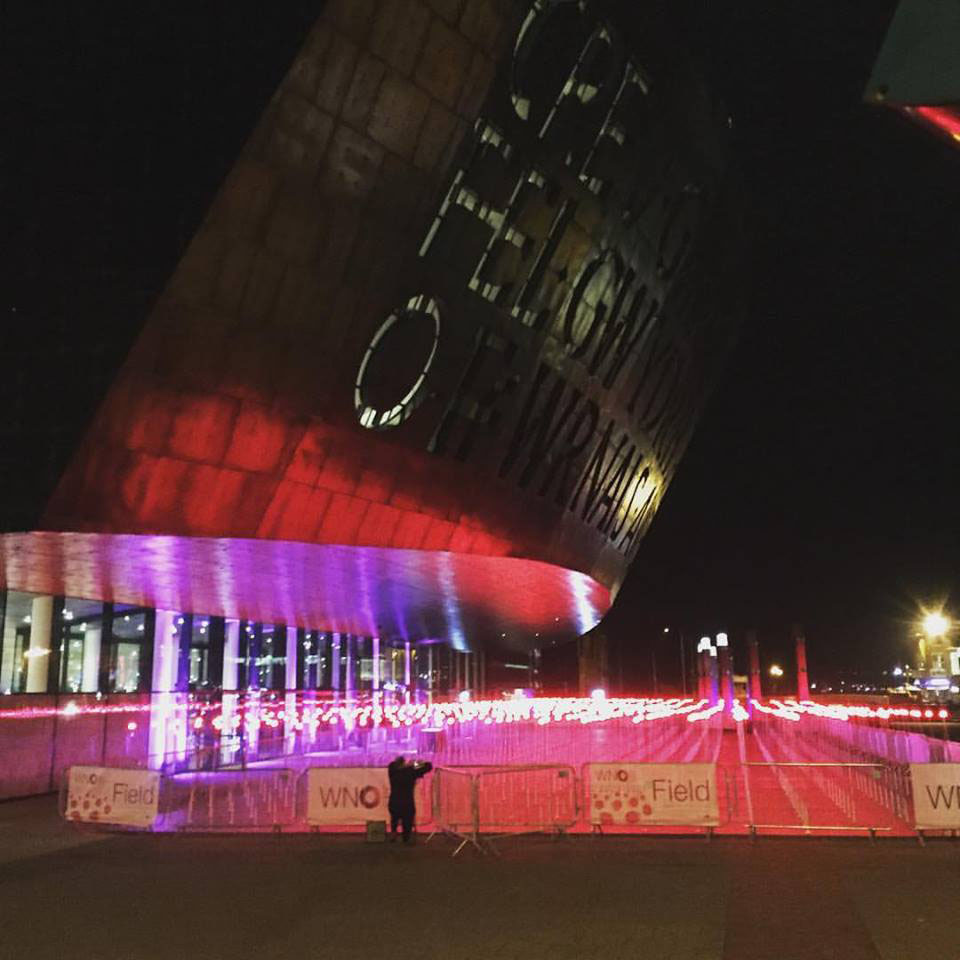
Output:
x=821 y=486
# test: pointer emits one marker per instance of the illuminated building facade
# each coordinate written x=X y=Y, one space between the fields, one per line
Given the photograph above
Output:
x=938 y=662
x=406 y=405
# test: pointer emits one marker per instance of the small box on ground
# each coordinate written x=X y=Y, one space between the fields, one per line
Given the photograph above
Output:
x=376 y=831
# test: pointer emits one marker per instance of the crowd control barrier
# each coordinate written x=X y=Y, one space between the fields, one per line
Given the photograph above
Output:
x=769 y=777
x=475 y=804
x=234 y=801
x=824 y=797
x=252 y=799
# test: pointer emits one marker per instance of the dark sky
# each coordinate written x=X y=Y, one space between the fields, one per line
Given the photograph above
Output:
x=821 y=486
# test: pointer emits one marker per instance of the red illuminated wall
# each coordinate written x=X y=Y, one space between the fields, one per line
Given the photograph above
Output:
x=215 y=425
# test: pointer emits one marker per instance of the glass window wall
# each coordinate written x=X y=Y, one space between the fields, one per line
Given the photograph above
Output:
x=199 y=675
x=81 y=642
x=131 y=642
x=15 y=652
x=316 y=672
x=273 y=657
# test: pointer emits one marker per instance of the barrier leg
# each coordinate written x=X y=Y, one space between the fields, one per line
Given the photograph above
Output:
x=473 y=836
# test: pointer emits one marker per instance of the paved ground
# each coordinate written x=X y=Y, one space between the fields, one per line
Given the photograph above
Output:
x=133 y=897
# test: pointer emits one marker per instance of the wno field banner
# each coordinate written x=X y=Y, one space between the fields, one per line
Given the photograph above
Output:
x=353 y=795
x=936 y=795
x=675 y=794
x=109 y=795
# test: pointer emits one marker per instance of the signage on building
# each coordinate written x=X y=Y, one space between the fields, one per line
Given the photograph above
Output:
x=936 y=795
x=570 y=242
x=351 y=795
x=675 y=794
x=110 y=795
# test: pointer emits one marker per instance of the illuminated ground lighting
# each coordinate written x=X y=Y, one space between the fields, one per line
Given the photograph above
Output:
x=597 y=708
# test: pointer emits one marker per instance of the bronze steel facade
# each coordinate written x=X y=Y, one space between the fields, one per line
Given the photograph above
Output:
x=464 y=292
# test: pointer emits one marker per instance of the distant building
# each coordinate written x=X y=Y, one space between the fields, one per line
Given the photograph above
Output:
x=938 y=664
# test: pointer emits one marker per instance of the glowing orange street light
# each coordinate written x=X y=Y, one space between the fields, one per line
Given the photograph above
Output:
x=935 y=624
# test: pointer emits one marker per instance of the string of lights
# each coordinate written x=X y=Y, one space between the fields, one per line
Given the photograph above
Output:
x=252 y=710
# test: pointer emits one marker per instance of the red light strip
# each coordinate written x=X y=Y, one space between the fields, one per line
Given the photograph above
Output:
x=944 y=119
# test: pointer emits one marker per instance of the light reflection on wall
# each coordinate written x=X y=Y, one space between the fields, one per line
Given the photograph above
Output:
x=164 y=734
x=587 y=616
x=450 y=605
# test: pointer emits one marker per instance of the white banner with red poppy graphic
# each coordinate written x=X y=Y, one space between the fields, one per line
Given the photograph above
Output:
x=658 y=794
x=111 y=795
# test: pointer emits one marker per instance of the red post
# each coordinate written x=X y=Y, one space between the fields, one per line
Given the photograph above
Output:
x=703 y=669
x=726 y=670
x=713 y=685
x=756 y=688
x=803 y=681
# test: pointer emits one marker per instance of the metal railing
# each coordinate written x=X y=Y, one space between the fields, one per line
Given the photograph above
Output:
x=778 y=776
x=476 y=804
x=227 y=800
x=820 y=796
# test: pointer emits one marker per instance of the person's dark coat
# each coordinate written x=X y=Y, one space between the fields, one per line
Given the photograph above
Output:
x=403 y=781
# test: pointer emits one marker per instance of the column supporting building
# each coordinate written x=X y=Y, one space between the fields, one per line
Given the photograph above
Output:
x=41 y=673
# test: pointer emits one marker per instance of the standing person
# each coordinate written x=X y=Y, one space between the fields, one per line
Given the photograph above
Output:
x=402 y=807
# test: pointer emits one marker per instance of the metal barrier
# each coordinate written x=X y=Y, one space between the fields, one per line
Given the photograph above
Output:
x=813 y=791
x=229 y=800
x=773 y=775
x=508 y=800
x=456 y=811
x=531 y=799
x=829 y=797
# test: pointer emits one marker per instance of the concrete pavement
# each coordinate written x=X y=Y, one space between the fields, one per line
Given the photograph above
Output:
x=142 y=897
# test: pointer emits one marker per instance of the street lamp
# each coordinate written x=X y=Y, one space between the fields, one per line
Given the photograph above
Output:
x=934 y=647
x=935 y=624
